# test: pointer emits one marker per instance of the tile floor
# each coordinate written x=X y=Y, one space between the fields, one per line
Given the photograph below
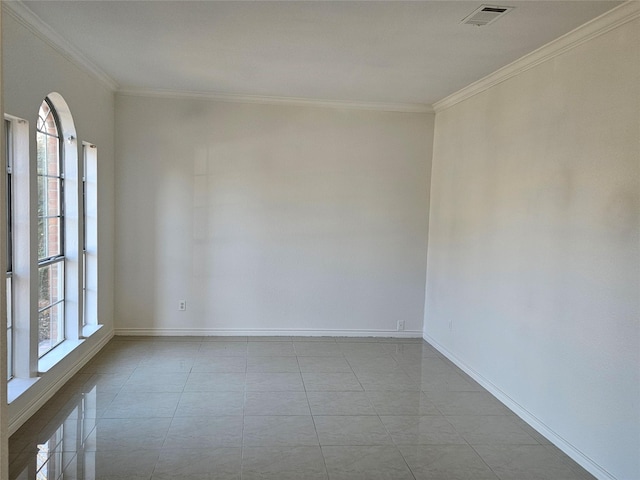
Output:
x=279 y=408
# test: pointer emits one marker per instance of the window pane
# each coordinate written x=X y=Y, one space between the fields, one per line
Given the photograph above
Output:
x=53 y=161
x=9 y=354
x=9 y=303
x=44 y=112
x=84 y=288
x=48 y=196
x=42 y=238
x=54 y=237
x=50 y=328
x=51 y=284
x=49 y=237
x=48 y=150
x=9 y=329
x=41 y=153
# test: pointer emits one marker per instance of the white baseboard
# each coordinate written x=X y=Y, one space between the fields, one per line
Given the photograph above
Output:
x=222 y=332
x=18 y=419
x=574 y=453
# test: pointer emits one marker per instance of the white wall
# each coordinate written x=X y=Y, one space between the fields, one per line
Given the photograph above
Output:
x=269 y=219
x=32 y=69
x=534 y=246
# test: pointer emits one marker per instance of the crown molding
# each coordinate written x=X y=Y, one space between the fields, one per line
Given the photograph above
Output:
x=27 y=18
x=273 y=100
x=604 y=23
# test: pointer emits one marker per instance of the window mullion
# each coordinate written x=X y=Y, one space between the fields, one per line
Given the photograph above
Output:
x=51 y=260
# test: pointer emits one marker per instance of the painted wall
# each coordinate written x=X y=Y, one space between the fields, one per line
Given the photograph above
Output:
x=32 y=69
x=534 y=245
x=269 y=219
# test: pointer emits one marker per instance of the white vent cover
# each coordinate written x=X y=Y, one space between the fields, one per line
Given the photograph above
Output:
x=485 y=15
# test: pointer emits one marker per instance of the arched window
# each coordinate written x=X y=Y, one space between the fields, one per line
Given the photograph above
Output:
x=51 y=251
x=52 y=286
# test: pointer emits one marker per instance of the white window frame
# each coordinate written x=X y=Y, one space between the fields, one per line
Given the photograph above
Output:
x=89 y=320
x=72 y=235
x=24 y=261
x=9 y=235
x=59 y=258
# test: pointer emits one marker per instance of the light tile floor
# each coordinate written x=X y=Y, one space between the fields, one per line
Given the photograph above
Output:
x=279 y=408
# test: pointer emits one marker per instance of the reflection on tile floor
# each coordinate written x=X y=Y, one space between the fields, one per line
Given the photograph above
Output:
x=279 y=408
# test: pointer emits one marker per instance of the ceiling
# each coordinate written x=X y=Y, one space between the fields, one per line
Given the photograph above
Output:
x=413 y=53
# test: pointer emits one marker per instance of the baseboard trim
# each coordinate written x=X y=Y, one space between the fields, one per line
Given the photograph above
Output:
x=31 y=408
x=574 y=453
x=293 y=332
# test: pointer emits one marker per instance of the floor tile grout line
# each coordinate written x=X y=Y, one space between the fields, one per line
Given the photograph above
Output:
x=244 y=403
x=304 y=385
x=484 y=461
x=397 y=447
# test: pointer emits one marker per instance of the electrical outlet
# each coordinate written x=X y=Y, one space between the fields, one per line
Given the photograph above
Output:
x=400 y=325
x=182 y=305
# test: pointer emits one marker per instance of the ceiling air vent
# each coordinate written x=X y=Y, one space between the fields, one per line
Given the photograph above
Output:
x=485 y=15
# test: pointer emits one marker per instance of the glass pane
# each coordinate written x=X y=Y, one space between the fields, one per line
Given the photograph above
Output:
x=50 y=328
x=9 y=354
x=9 y=330
x=51 y=288
x=48 y=196
x=42 y=196
x=41 y=153
x=84 y=288
x=9 y=303
x=43 y=113
x=49 y=237
x=42 y=239
x=47 y=155
x=53 y=160
x=46 y=122
x=54 y=237
x=47 y=150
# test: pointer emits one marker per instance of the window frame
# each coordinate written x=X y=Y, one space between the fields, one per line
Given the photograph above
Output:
x=23 y=227
x=59 y=259
x=9 y=247
x=89 y=315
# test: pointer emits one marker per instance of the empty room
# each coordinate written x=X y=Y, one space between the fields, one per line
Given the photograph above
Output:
x=320 y=240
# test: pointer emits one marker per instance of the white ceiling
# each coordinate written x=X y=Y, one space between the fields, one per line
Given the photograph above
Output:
x=366 y=51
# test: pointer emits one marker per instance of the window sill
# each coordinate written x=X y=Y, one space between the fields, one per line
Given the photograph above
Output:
x=89 y=330
x=55 y=356
x=17 y=386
